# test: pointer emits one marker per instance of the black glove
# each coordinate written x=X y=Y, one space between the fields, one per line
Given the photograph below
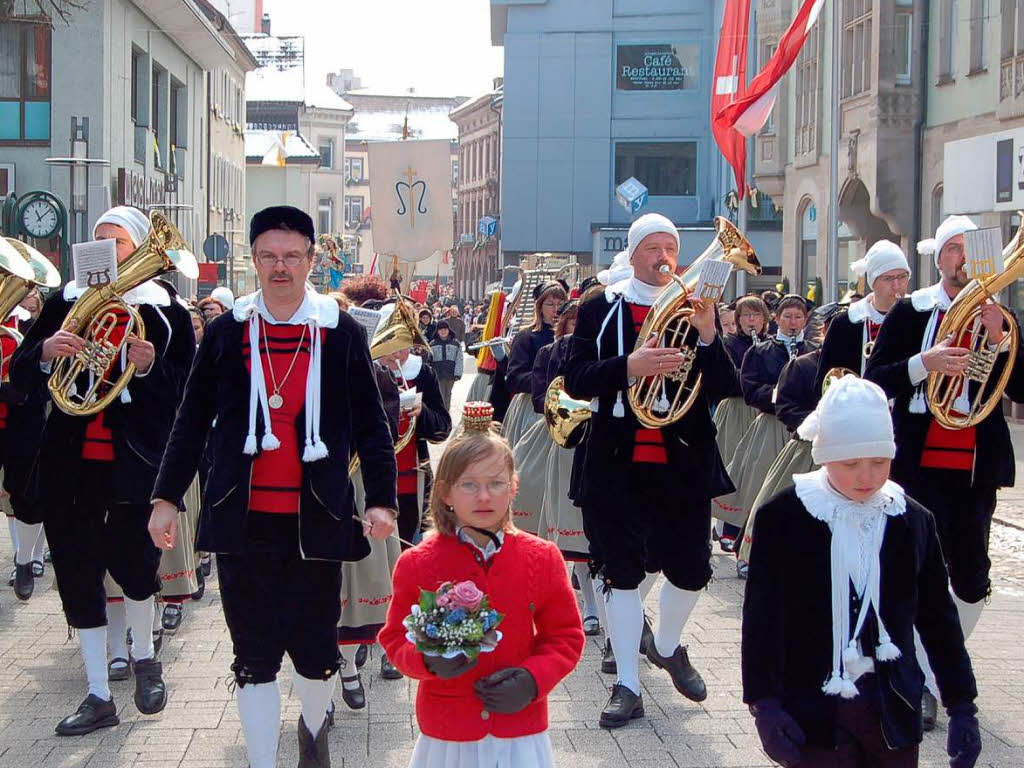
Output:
x=963 y=744
x=507 y=691
x=780 y=734
x=446 y=669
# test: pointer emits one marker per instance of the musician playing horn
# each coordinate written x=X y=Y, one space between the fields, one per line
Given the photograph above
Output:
x=94 y=476
x=954 y=473
x=285 y=379
x=646 y=493
x=852 y=334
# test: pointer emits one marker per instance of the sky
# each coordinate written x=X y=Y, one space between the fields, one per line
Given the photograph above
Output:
x=438 y=47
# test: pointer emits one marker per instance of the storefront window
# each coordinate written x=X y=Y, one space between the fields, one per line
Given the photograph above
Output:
x=666 y=168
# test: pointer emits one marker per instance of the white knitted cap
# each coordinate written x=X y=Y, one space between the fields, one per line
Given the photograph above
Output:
x=884 y=256
x=131 y=220
x=852 y=421
x=223 y=295
x=648 y=224
x=950 y=228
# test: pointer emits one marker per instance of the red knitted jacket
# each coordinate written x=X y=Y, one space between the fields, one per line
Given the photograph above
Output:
x=526 y=580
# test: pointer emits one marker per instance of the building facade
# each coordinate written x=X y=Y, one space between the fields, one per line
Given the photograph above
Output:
x=124 y=85
x=476 y=253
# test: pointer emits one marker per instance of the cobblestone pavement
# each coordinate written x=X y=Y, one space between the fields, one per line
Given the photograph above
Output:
x=41 y=679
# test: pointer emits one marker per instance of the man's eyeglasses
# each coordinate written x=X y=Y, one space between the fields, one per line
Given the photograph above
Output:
x=269 y=259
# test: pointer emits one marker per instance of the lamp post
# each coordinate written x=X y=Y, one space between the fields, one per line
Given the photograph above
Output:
x=79 y=164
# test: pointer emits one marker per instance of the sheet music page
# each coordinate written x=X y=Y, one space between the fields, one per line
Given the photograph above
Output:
x=95 y=263
x=983 y=249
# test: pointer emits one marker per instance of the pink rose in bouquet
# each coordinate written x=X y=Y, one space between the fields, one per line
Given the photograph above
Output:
x=466 y=595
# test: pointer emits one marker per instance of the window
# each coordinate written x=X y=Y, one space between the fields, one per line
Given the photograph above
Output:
x=326 y=148
x=25 y=82
x=807 y=263
x=357 y=169
x=354 y=211
x=159 y=124
x=347 y=166
x=856 y=47
x=136 y=75
x=806 y=122
x=324 y=215
x=665 y=168
x=455 y=172
x=979 y=35
x=903 y=45
x=178 y=127
x=766 y=54
x=947 y=39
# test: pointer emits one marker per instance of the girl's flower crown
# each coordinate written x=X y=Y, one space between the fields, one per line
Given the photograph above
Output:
x=477 y=417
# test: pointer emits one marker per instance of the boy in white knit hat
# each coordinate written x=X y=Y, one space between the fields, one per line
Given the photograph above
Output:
x=844 y=566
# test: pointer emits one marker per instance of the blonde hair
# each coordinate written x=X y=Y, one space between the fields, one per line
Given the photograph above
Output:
x=469 y=447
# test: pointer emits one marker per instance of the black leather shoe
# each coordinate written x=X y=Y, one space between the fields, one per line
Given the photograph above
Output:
x=150 y=691
x=685 y=678
x=623 y=706
x=575 y=582
x=929 y=710
x=172 y=615
x=354 y=698
x=608 y=664
x=122 y=671
x=92 y=713
x=206 y=564
x=330 y=716
x=646 y=637
x=24 y=581
x=361 y=653
x=387 y=669
x=46 y=556
x=313 y=753
x=201 y=582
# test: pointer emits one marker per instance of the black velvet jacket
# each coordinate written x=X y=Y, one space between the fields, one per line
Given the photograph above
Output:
x=352 y=421
x=843 y=347
x=900 y=339
x=787 y=620
x=19 y=442
x=545 y=368
x=140 y=427
x=434 y=423
x=525 y=347
x=797 y=395
x=600 y=463
x=761 y=368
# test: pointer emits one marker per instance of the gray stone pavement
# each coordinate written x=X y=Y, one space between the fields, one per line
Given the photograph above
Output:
x=41 y=680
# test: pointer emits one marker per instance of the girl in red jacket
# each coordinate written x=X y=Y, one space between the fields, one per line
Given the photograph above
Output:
x=490 y=712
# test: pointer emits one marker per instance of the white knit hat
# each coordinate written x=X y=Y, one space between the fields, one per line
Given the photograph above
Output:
x=950 y=228
x=223 y=295
x=132 y=220
x=884 y=256
x=852 y=421
x=648 y=224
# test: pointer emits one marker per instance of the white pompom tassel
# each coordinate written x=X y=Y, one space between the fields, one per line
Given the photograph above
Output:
x=850 y=654
x=848 y=690
x=250 y=446
x=619 y=411
x=834 y=686
x=270 y=442
x=320 y=450
x=917 y=404
x=307 y=453
x=886 y=650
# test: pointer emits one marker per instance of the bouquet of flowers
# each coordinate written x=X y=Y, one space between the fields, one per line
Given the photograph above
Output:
x=455 y=619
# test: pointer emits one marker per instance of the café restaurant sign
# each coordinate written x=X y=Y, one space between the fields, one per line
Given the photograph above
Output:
x=656 y=67
x=138 y=190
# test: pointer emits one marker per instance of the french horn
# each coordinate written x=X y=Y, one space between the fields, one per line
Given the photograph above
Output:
x=95 y=316
x=833 y=375
x=962 y=325
x=566 y=417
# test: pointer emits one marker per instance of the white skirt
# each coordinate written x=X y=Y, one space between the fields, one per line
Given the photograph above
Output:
x=531 y=455
x=562 y=521
x=733 y=418
x=532 y=751
x=794 y=459
x=518 y=418
x=480 y=389
x=749 y=466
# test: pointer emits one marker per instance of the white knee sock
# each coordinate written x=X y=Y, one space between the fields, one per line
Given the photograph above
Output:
x=925 y=665
x=719 y=527
x=646 y=585
x=969 y=615
x=625 y=625
x=139 y=614
x=93 y=643
x=348 y=666
x=259 y=708
x=601 y=600
x=315 y=696
x=674 y=608
x=12 y=527
x=28 y=534
x=117 y=642
x=582 y=571
x=39 y=550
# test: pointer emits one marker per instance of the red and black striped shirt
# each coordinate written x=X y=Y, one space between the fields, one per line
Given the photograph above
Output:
x=408 y=460
x=950 y=448
x=99 y=440
x=648 y=444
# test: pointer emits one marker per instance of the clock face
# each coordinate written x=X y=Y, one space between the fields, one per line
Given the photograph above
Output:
x=39 y=218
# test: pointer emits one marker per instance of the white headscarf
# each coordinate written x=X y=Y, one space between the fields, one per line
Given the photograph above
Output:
x=131 y=220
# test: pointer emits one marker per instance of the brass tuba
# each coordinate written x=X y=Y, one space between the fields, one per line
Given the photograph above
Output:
x=663 y=399
x=95 y=316
x=399 y=331
x=566 y=417
x=963 y=320
x=15 y=282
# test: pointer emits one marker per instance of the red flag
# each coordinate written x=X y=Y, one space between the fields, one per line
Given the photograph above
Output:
x=373 y=264
x=748 y=113
x=729 y=83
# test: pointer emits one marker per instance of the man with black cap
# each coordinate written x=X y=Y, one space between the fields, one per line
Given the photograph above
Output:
x=94 y=475
x=278 y=506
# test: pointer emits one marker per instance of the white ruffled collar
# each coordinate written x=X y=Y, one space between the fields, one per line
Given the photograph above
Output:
x=20 y=313
x=864 y=309
x=927 y=299
x=635 y=291
x=150 y=292
x=824 y=503
x=411 y=367
x=323 y=311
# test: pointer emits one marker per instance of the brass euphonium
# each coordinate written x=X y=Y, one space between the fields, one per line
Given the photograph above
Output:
x=399 y=331
x=14 y=288
x=963 y=320
x=15 y=282
x=95 y=316
x=566 y=417
x=663 y=399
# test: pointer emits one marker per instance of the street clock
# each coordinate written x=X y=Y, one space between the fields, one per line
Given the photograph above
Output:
x=40 y=218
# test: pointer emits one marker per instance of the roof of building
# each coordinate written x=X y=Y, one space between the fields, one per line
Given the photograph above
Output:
x=221 y=23
x=282 y=74
x=381 y=116
x=264 y=147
